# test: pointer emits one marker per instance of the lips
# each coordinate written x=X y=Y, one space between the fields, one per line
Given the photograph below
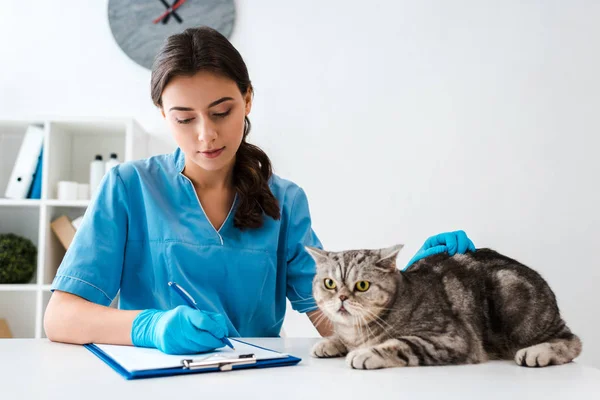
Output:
x=212 y=153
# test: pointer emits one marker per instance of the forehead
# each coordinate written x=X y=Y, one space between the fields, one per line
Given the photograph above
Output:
x=355 y=259
x=198 y=90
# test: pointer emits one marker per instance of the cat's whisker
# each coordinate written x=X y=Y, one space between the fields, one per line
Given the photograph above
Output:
x=331 y=306
x=377 y=318
x=355 y=305
x=368 y=329
x=357 y=325
x=379 y=321
x=319 y=317
x=319 y=320
x=384 y=329
x=360 y=324
x=367 y=333
x=385 y=308
x=372 y=333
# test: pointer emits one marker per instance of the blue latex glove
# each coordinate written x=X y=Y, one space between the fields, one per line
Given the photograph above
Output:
x=182 y=330
x=450 y=242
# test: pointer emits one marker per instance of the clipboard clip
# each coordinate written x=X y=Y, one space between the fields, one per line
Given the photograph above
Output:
x=224 y=364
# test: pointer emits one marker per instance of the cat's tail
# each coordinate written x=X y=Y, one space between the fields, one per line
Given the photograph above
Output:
x=560 y=350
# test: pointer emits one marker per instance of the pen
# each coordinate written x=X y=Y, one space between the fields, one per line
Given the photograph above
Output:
x=215 y=361
x=192 y=303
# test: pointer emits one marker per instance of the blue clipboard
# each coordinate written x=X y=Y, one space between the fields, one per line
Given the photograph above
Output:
x=187 y=365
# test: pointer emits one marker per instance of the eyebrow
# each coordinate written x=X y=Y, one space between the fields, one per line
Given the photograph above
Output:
x=214 y=103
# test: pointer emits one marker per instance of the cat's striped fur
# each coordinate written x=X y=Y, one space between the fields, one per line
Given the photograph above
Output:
x=443 y=310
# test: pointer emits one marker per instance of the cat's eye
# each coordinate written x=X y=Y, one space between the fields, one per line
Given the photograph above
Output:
x=362 y=286
x=329 y=283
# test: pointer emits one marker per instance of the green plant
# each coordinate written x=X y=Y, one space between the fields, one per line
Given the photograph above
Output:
x=18 y=257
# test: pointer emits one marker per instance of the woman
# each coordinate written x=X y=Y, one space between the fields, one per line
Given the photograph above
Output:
x=211 y=216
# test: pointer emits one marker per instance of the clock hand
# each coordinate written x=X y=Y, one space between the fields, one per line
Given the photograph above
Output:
x=171 y=9
x=175 y=15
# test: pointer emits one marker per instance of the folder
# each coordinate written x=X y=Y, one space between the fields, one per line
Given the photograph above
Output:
x=21 y=177
x=139 y=362
x=35 y=191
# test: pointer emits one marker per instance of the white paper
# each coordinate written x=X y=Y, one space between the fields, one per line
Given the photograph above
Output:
x=140 y=358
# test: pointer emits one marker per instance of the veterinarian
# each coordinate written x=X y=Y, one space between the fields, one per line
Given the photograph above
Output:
x=211 y=217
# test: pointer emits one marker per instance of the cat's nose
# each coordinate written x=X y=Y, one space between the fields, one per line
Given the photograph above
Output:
x=342 y=297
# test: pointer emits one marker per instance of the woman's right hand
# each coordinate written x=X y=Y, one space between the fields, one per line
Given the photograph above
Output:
x=182 y=330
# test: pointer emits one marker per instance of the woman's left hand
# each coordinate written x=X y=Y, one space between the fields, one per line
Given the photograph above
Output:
x=450 y=242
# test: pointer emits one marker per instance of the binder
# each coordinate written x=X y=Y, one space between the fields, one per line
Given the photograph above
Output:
x=35 y=191
x=21 y=177
x=139 y=363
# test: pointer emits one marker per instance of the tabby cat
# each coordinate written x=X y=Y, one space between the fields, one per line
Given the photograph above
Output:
x=463 y=309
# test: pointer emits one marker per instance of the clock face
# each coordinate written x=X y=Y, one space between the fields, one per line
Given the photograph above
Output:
x=140 y=27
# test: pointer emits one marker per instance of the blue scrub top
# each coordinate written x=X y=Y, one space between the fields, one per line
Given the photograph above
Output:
x=146 y=227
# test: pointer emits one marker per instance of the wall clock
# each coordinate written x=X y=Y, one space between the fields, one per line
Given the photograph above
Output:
x=141 y=26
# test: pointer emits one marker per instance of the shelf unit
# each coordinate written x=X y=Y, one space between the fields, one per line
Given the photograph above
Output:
x=69 y=146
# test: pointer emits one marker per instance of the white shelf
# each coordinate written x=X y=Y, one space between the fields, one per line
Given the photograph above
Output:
x=69 y=146
x=20 y=203
x=37 y=203
x=62 y=203
x=23 y=287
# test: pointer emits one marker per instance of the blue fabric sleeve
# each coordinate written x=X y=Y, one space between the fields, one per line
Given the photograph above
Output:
x=93 y=264
x=301 y=267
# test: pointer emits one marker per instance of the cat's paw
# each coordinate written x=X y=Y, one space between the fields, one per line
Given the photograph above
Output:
x=367 y=358
x=328 y=348
x=540 y=355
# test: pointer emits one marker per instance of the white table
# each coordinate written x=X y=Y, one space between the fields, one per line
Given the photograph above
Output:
x=38 y=369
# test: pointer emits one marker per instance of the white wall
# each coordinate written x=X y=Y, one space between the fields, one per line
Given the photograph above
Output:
x=400 y=119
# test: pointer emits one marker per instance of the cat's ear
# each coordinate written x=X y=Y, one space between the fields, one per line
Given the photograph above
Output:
x=391 y=251
x=388 y=256
x=320 y=256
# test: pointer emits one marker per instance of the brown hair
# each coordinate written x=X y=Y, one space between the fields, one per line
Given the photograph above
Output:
x=205 y=49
